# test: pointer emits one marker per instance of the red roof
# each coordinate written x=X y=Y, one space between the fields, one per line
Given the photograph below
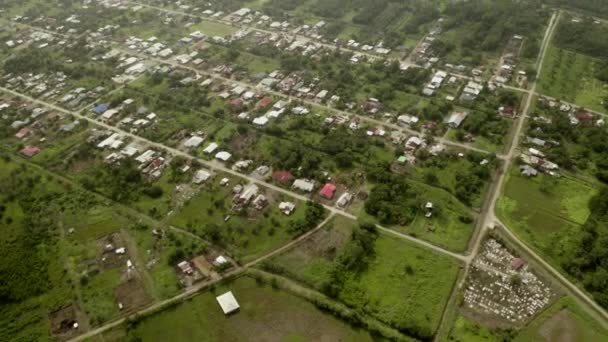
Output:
x=265 y=102
x=517 y=264
x=23 y=132
x=236 y=102
x=30 y=151
x=584 y=116
x=328 y=191
x=282 y=176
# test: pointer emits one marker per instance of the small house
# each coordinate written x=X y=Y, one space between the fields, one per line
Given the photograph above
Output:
x=328 y=191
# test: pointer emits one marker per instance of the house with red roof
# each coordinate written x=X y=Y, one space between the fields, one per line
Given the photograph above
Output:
x=517 y=264
x=236 y=103
x=282 y=176
x=264 y=102
x=585 y=117
x=24 y=132
x=30 y=151
x=328 y=191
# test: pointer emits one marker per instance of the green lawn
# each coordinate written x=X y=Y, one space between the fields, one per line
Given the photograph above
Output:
x=265 y=314
x=569 y=76
x=466 y=330
x=95 y=223
x=211 y=28
x=548 y=220
x=98 y=296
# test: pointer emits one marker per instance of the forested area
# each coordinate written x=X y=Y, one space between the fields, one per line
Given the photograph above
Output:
x=592 y=7
x=589 y=261
x=586 y=37
x=488 y=24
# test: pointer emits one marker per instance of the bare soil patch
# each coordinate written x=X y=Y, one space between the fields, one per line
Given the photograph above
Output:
x=63 y=320
x=131 y=293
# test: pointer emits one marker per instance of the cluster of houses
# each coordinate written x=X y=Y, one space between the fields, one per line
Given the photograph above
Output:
x=125 y=115
x=207 y=266
x=508 y=62
x=437 y=81
x=423 y=54
x=576 y=114
x=151 y=162
x=533 y=158
x=294 y=84
x=52 y=87
x=151 y=46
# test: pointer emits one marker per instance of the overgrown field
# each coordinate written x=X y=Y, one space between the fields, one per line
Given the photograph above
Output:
x=265 y=312
x=379 y=275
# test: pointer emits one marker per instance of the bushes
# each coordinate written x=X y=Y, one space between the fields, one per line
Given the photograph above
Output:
x=393 y=202
x=313 y=216
x=588 y=259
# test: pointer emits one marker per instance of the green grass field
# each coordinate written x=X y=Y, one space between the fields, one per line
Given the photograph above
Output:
x=211 y=28
x=548 y=220
x=404 y=285
x=466 y=330
x=268 y=314
x=569 y=76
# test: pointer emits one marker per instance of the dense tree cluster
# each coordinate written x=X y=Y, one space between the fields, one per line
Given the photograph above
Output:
x=394 y=201
x=313 y=215
x=586 y=38
x=589 y=261
x=593 y=7
x=489 y=24
x=353 y=258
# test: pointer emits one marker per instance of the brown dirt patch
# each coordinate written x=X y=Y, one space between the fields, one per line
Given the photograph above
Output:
x=62 y=322
x=131 y=293
x=241 y=143
x=559 y=328
x=204 y=266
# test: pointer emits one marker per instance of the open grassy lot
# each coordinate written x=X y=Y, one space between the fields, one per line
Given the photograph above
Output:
x=563 y=321
x=404 y=285
x=446 y=228
x=545 y=211
x=245 y=235
x=266 y=313
x=466 y=330
x=570 y=76
x=211 y=28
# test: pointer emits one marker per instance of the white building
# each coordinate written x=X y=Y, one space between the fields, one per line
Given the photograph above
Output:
x=228 y=303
